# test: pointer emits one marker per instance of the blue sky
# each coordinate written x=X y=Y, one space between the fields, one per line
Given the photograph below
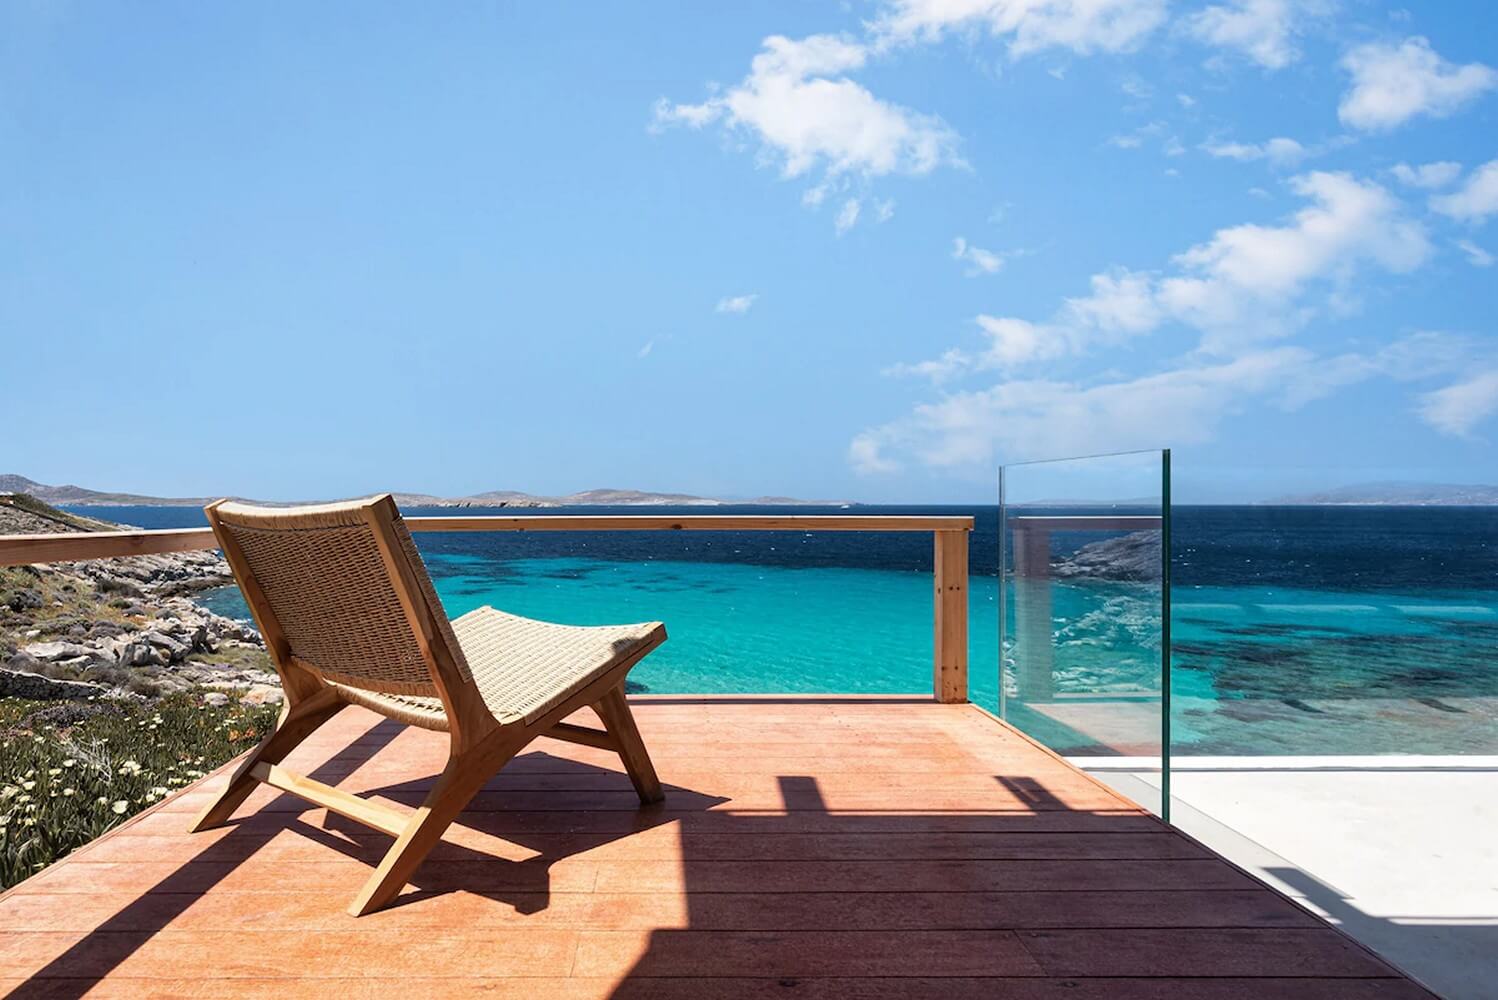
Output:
x=861 y=251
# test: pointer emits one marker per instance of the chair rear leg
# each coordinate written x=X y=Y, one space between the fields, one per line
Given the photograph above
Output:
x=455 y=788
x=613 y=709
x=300 y=721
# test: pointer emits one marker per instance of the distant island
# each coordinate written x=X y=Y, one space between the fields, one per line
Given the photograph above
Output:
x=1395 y=494
x=78 y=496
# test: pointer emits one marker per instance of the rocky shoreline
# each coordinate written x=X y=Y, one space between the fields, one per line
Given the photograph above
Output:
x=120 y=628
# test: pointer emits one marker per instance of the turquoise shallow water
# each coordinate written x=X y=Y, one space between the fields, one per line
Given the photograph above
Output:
x=1294 y=632
x=1257 y=670
x=737 y=627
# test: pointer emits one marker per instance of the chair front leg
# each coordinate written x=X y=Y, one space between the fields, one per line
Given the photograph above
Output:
x=613 y=709
x=464 y=775
x=298 y=722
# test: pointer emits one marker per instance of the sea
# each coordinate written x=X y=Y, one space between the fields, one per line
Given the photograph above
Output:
x=1293 y=630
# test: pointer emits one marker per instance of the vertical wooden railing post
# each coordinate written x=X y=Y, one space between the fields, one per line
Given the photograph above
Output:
x=951 y=616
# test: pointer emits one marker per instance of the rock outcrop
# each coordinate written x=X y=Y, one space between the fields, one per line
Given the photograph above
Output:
x=1131 y=557
x=119 y=625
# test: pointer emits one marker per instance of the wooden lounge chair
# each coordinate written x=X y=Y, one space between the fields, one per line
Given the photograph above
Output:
x=349 y=616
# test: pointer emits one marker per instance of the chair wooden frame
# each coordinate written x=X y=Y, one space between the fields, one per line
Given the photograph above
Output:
x=480 y=744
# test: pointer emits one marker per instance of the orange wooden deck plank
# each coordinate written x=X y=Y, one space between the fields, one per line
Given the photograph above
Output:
x=825 y=850
x=323 y=909
x=738 y=988
x=663 y=843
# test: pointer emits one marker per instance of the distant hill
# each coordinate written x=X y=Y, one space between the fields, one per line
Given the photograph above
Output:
x=78 y=496
x=1397 y=494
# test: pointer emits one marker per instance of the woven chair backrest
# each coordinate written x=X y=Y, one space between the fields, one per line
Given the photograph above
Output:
x=327 y=584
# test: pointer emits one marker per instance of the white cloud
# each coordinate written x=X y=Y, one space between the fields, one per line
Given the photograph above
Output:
x=1183 y=404
x=808 y=116
x=1476 y=199
x=1458 y=408
x=847 y=216
x=1263 y=30
x=1476 y=254
x=1393 y=83
x=739 y=304
x=1186 y=100
x=884 y=210
x=1081 y=26
x=1427 y=175
x=951 y=364
x=1246 y=284
x=865 y=457
x=1014 y=342
x=979 y=261
x=1169 y=144
x=1279 y=151
x=1038 y=418
x=1121 y=302
x=1247 y=281
x=644 y=352
x=1136 y=87
x=690 y=115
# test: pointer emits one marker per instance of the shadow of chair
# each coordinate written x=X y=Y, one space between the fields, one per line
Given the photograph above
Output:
x=521 y=884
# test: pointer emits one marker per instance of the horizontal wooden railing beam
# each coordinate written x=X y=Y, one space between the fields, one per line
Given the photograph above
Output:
x=691 y=522
x=17 y=550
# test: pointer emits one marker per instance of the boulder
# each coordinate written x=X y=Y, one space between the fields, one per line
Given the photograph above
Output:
x=24 y=662
x=115 y=585
x=216 y=699
x=262 y=694
x=140 y=654
x=56 y=650
x=18 y=684
x=24 y=599
x=175 y=649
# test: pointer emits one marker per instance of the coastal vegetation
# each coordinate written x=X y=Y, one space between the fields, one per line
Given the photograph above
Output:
x=71 y=770
x=116 y=688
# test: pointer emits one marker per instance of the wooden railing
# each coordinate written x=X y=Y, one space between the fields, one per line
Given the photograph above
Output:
x=950 y=630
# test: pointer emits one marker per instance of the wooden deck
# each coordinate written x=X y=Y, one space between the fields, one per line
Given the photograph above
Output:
x=806 y=849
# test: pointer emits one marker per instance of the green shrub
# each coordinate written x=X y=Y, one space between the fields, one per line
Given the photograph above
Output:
x=70 y=771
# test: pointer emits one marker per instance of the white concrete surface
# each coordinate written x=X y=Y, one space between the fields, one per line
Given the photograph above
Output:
x=1402 y=852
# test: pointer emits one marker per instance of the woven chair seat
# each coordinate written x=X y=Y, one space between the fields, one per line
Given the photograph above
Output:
x=522 y=668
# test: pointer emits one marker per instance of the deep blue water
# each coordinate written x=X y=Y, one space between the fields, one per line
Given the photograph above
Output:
x=1337 y=548
x=1296 y=629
